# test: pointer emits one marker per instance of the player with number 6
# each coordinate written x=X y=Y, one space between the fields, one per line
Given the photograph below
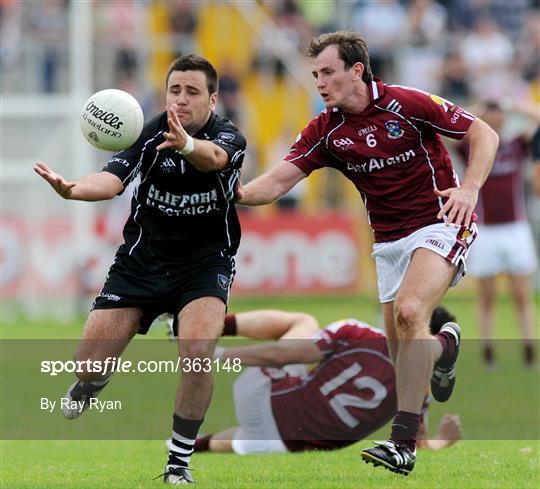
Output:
x=386 y=140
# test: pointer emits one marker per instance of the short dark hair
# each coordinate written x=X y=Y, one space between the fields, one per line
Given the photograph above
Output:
x=351 y=49
x=440 y=317
x=192 y=62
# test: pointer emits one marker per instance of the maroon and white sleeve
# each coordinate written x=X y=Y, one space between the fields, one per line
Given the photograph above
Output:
x=308 y=152
x=434 y=112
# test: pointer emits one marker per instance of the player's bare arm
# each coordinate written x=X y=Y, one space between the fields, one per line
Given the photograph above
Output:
x=203 y=155
x=459 y=207
x=448 y=433
x=270 y=186
x=270 y=324
x=91 y=188
x=276 y=354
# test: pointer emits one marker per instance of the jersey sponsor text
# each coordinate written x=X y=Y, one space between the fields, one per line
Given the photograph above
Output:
x=187 y=204
x=381 y=163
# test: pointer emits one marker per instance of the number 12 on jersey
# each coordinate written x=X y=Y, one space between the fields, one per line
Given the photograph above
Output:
x=340 y=402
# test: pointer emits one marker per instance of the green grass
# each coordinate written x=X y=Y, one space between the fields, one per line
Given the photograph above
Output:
x=503 y=404
x=133 y=464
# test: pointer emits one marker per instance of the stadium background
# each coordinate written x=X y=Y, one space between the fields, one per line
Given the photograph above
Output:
x=55 y=53
x=310 y=251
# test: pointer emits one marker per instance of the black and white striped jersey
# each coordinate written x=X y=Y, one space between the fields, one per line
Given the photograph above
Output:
x=177 y=211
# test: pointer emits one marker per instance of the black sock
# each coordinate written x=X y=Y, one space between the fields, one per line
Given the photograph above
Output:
x=93 y=388
x=183 y=440
x=405 y=429
x=528 y=353
x=489 y=355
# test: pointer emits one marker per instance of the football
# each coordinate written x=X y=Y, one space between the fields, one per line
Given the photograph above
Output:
x=111 y=120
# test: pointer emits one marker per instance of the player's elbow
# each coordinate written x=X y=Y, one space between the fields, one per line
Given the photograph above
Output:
x=109 y=186
x=280 y=357
x=278 y=188
x=212 y=163
x=495 y=138
x=305 y=325
x=111 y=193
x=491 y=135
x=483 y=133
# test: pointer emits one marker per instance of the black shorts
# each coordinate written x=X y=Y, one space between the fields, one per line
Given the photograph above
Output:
x=166 y=292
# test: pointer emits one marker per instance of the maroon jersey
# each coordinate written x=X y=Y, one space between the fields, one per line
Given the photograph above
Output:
x=350 y=394
x=391 y=151
x=502 y=197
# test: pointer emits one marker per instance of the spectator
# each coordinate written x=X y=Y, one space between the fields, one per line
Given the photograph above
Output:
x=454 y=77
x=385 y=26
x=528 y=48
x=48 y=28
x=510 y=15
x=505 y=243
x=488 y=54
x=419 y=61
x=182 y=23
x=229 y=86
x=10 y=39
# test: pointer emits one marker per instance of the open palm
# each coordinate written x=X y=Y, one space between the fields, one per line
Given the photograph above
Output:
x=56 y=181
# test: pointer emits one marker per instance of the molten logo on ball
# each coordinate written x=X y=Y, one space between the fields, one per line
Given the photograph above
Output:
x=111 y=120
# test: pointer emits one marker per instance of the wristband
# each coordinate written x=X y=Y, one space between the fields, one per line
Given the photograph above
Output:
x=188 y=147
x=230 y=328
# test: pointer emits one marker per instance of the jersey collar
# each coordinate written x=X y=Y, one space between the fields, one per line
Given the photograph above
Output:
x=376 y=89
x=206 y=128
x=376 y=92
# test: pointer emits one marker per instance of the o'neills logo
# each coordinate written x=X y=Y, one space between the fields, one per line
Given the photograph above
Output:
x=109 y=118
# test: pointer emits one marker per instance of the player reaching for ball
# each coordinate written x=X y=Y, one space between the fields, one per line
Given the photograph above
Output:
x=385 y=139
x=179 y=243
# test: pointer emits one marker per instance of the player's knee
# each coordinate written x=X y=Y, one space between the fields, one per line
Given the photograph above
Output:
x=410 y=318
x=488 y=296
x=197 y=350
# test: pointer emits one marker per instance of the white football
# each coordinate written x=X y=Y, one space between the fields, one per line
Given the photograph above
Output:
x=111 y=120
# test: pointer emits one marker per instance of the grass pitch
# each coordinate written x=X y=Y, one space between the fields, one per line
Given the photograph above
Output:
x=472 y=463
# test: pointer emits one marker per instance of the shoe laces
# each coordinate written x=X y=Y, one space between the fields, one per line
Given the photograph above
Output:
x=173 y=471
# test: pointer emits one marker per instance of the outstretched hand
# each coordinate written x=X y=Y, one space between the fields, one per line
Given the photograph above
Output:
x=449 y=429
x=459 y=207
x=56 y=181
x=177 y=136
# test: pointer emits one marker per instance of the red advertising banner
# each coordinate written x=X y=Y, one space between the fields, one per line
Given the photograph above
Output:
x=279 y=253
x=292 y=252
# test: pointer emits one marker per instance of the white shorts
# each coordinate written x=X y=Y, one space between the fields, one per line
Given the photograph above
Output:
x=392 y=258
x=258 y=432
x=503 y=248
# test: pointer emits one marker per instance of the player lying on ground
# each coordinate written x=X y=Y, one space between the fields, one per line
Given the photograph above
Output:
x=346 y=396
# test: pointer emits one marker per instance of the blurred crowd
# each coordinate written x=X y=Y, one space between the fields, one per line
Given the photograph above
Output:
x=464 y=50
x=458 y=48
